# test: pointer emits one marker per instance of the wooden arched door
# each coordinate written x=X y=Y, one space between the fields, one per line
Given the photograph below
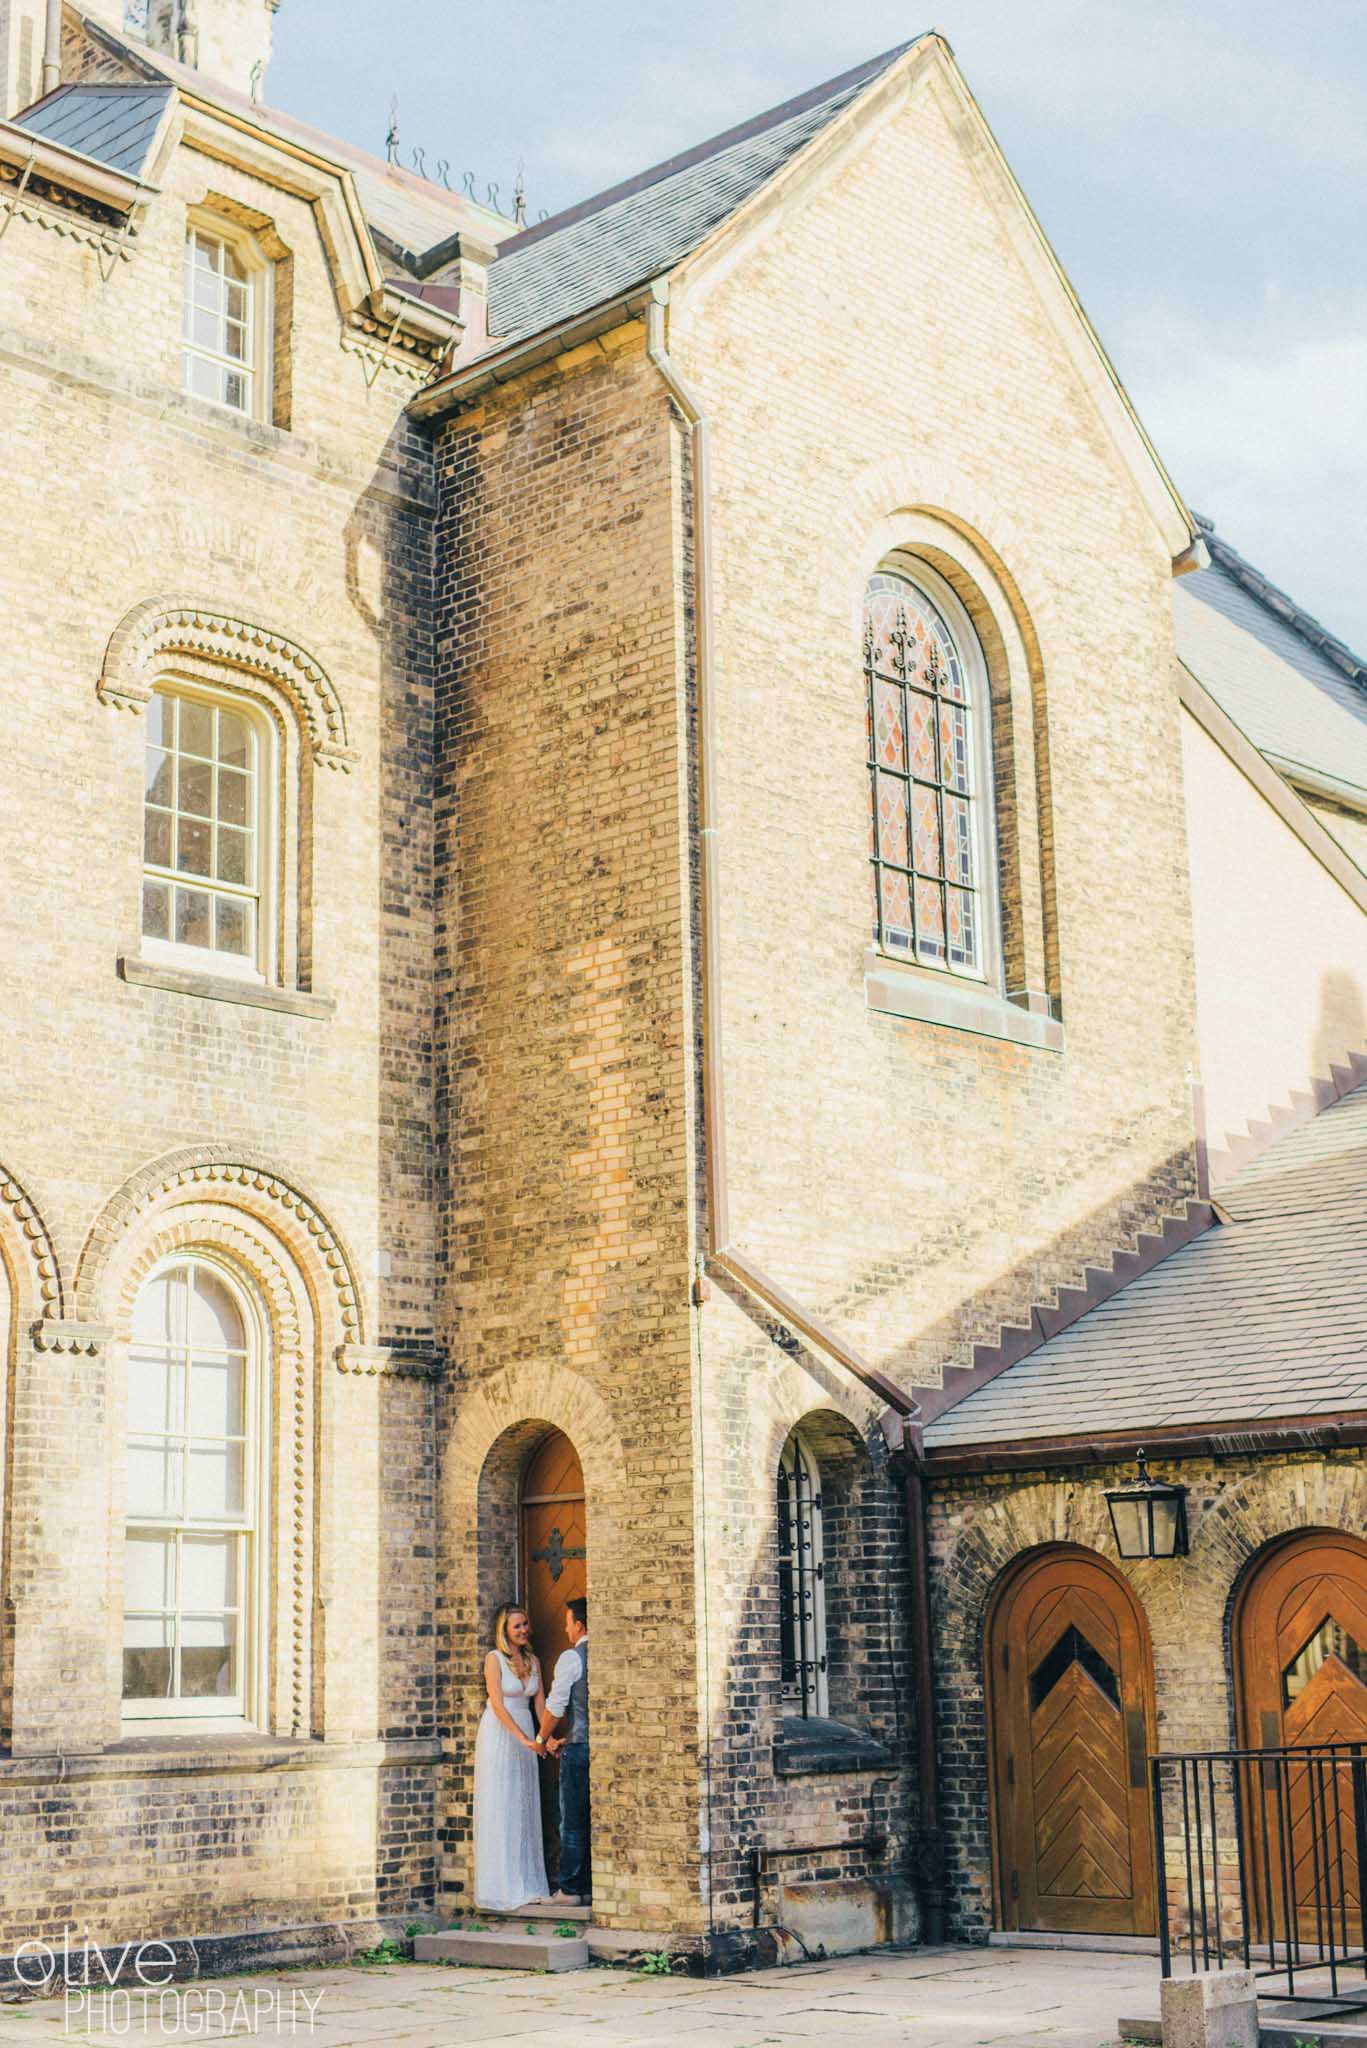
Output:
x=554 y=1542
x=1300 y=1640
x=554 y=1569
x=1071 y=1688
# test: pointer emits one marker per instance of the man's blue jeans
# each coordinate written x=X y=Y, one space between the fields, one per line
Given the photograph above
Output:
x=574 y=1819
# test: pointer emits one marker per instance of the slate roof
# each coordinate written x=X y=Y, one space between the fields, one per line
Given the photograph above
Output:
x=1294 y=690
x=114 y=125
x=633 y=232
x=1262 y=1317
x=412 y=213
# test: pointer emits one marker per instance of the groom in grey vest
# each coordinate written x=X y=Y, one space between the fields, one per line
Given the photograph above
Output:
x=568 y=1702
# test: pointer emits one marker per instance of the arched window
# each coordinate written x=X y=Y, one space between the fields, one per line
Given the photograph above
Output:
x=206 y=833
x=192 y=1550
x=929 y=775
x=801 y=1593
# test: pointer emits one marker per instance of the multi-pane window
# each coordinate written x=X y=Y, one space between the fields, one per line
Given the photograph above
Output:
x=925 y=773
x=801 y=1574
x=219 y=323
x=201 y=828
x=189 y=1562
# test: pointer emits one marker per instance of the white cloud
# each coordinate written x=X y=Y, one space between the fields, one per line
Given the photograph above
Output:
x=1270 y=440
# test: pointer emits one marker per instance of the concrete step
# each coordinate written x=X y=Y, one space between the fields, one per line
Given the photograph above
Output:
x=537 y=1911
x=504 y=1948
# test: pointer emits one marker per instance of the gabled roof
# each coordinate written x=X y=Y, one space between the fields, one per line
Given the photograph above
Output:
x=633 y=232
x=1262 y=1317
x=413 y=214
x=1293 y=689
x=114 y=125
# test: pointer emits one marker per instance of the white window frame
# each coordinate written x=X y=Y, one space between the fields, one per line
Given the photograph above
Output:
x=248 y=1707
x=802 y=1587
x=982 y=808
x=255 y=966
x=260 y=283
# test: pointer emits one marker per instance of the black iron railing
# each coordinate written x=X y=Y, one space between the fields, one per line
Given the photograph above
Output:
x=1261 y=1855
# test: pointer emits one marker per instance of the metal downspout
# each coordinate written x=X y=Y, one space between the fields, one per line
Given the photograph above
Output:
x=721 y=1255
x=52 y=48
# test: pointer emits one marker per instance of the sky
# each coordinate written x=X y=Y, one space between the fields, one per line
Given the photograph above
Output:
x=1200 y=167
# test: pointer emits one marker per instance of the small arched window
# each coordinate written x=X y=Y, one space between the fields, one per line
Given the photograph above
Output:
x=929 y=776
x=801 y=1573
x=193 y=1538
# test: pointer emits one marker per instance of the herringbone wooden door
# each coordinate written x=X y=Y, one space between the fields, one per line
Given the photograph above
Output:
x=1301 y=1646
x=1071 y=1687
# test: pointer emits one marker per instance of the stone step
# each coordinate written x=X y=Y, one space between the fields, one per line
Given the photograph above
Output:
x=537 y=1910
x=504 y=1948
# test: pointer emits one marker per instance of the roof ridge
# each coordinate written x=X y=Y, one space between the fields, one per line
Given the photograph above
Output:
x=656 y=174
x=1281 y=606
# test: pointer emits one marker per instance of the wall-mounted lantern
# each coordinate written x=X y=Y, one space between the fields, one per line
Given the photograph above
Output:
x=1150 y=1517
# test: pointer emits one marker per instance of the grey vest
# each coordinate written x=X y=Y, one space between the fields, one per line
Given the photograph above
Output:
x=578 y=1709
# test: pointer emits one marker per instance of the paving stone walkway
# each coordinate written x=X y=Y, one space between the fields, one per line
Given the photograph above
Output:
x=928 y=1998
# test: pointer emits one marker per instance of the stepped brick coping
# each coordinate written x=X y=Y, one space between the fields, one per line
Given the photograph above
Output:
x=1099 y=1284
x=1220 y=1165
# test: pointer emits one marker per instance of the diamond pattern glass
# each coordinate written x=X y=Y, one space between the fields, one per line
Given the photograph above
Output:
x=923 y=848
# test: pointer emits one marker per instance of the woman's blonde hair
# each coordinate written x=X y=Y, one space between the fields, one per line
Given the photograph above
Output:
x=502 y=1641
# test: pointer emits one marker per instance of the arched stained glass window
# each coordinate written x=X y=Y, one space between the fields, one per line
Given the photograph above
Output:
x=925 y=701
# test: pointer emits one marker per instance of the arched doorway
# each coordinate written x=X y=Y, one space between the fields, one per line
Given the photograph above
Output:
x=553 y=1568
x=1300 y=1661
x=1070 y=1683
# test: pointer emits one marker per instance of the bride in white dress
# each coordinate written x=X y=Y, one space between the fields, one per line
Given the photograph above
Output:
x=510 y=1866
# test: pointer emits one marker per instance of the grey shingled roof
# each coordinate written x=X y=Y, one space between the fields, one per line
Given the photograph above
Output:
x=1264 y=1316
x=625 y=236
x=1288 y=685
x=114 y=125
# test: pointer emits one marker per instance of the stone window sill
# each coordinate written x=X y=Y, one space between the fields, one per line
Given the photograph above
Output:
x=897 y=989
x=292 y=1002
x=821 y=1748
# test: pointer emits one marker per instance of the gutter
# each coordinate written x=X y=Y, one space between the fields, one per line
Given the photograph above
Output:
x=69 y=168
x=460 y=386
x=1351 y=795
x=1234 y=1440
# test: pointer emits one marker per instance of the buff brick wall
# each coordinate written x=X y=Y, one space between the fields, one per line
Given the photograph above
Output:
x=562 y=1081
x=300 y=1143
x=979 y=1526
x=878 y=369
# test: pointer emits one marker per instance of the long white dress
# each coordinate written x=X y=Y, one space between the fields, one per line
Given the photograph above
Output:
x=510 y=1866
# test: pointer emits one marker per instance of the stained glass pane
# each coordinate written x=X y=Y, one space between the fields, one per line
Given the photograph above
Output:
x=954 y=747
x=958 y=842
x=921 y=731
x=889 y=740
x=930 y=924
x=892 y=820
x=926 y=828
x=896 y=909
x=920 y=707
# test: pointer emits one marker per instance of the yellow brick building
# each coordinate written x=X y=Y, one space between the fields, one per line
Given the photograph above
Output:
x=574 y=908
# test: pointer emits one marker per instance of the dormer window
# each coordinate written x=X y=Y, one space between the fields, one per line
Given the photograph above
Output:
x=225 y=323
